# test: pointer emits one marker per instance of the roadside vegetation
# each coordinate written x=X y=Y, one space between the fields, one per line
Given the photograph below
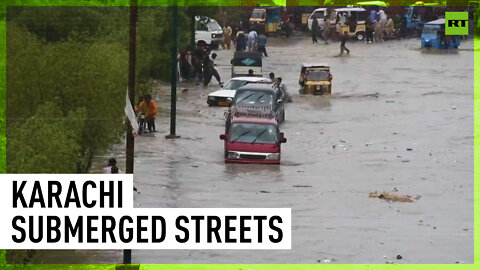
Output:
x=67 y=77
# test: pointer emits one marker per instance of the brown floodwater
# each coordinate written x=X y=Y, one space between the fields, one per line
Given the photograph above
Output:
x=398 y=119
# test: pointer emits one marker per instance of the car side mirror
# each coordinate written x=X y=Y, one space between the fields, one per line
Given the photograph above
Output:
x=282 y=138
x=223 y=137
x=279 y=101
x=229 y=101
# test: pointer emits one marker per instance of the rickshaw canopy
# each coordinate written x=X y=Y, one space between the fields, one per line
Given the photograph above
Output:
x=436 y=22
x=247 y=59
x=372 y=3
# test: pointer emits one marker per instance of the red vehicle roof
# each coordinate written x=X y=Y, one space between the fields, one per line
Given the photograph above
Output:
x=268 y=121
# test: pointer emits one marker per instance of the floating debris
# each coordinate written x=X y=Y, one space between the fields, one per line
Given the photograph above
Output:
x=392 y=197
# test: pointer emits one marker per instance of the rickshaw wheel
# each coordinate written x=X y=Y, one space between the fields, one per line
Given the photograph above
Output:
x=360 y=36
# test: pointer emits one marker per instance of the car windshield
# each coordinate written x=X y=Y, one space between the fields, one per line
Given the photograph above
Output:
x=258 y=14
x=318 y=75
x=234 y=84
x=213 y=25
x=253 y=133
x=430 y=30
x=254 y=97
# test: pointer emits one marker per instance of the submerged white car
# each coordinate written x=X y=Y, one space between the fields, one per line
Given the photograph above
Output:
x=219 y=98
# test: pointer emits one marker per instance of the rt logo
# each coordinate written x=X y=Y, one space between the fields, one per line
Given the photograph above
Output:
x=456 y=23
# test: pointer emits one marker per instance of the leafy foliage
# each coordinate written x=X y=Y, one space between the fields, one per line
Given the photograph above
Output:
x=67 y=78
x=87 y=83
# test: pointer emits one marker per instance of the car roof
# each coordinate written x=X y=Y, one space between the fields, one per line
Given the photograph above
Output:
x=350 y=9
x=255 y=120
x=259 y=87
x=315 y=65
x=250 y=79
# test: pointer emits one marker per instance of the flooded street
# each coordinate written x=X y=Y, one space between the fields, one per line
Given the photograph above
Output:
x=398 y=119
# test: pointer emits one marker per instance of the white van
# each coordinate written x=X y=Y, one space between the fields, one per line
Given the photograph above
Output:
x=208 y=30
x=321 y=13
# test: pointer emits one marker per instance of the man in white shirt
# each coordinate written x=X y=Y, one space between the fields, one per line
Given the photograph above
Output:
x=252 y=41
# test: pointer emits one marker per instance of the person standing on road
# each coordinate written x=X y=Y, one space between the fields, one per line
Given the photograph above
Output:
x=185 y=65
x=382 y=17
x=252 y=41
x=343 y=40
x=326 y=30
x=373 y=15
x=378 y=29
x=369 y=31
x=149 y=107
x=389 y=28
x=262 y=41
x=209 y=70
x=315 y=28
x=213 y=70
x=197 y=58
x=241 y=42
x=227 y=37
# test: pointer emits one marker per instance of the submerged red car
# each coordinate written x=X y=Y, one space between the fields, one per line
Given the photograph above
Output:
x=253 y=140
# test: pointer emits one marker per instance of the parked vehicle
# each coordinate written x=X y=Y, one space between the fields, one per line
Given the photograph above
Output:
x=354 y=23
x=433 y=36
x=219 y=97
x=321 y=14
x=315 y=79
x=253 y=140
x=208 y=30
x=242 y=62
x=266 y=20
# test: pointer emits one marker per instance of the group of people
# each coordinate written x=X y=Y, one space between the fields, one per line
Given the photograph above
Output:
x=324 y=34
x=149 y=109
x=198 y=65
x=380 y=24
x=251 y=42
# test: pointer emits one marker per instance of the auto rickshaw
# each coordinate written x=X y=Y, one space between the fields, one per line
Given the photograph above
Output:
x=266 y=19
x=315 y=79
x=433 y=36
x=354 y=22
x=242 y=62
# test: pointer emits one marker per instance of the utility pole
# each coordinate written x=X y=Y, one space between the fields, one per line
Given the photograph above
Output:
x=173 y=78
x=127 y=253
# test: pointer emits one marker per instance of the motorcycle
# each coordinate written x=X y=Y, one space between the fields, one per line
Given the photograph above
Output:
x=142 y=123
x=285 y=29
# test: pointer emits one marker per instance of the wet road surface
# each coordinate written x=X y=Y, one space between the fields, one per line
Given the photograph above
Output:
x=387 y=98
